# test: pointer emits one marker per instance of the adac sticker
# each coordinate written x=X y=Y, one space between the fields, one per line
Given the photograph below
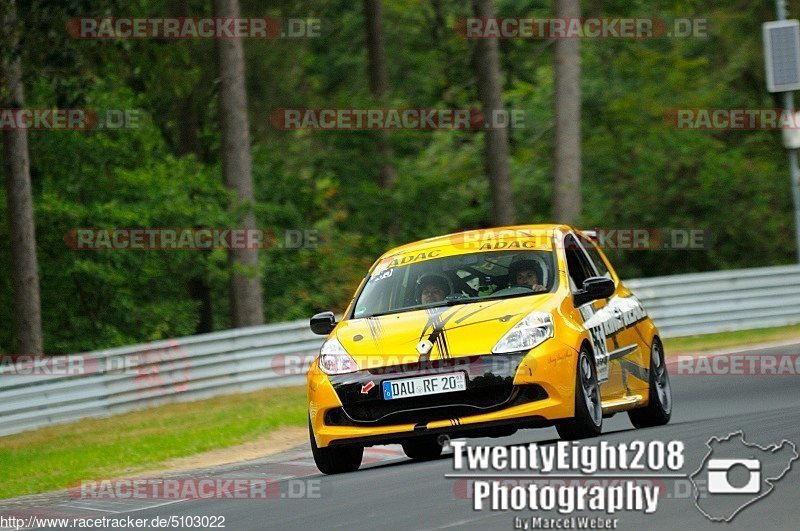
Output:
x=396 y=261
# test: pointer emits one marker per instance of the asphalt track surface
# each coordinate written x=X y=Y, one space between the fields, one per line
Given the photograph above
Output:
x=393 y=492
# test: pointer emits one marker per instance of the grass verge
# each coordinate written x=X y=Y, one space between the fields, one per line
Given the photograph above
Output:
x=61 y=456
x=736 y=338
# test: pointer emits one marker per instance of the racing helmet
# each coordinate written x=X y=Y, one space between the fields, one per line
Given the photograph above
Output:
x=438 y=279
x=524 y=265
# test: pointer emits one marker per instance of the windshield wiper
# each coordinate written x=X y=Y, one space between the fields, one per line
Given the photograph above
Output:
x=440 y=304
x=513 y=295
x=381 y=314
x=453 y=302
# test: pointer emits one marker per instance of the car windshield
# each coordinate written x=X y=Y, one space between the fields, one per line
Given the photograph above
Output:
x=456 y=279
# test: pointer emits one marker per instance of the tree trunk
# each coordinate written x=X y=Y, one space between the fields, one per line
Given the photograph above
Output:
x=567 y=176
x=439 y=22
x=596 y=8
x=200 y=291
x=378 y=82
x=24 y=265
x=245 y=294
x=487 y=70
x=188 y=122
x=188 y=142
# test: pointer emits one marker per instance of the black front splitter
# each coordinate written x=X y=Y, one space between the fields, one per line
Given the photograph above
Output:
x=482 y=429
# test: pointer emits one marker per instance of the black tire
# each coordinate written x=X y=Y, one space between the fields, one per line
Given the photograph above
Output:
x=658 y=410
x=588 y=419
x=335 y=459
x=422 y=448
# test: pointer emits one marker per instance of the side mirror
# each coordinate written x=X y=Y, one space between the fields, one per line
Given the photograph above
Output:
x=323 y=323
x=594 y=288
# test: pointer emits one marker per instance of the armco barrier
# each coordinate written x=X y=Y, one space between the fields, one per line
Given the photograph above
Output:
x=234 y=361
x=134 y=377
x=719 y=301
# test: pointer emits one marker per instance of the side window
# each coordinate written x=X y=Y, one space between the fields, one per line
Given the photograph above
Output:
x=578 y=265
x=594 y=256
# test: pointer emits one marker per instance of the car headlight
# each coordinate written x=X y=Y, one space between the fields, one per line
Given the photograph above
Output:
x=533 y=330
x=334 y=359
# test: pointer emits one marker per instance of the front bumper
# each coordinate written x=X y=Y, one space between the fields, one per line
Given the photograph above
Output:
x=503 y=391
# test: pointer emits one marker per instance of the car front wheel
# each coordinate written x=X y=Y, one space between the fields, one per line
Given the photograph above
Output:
x=335 y=459
x=658 y=410
x=588 y=420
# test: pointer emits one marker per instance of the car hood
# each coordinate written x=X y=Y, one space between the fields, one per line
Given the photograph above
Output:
x=453 y=331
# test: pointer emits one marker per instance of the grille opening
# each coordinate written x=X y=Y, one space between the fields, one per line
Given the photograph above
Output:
x=335 y=417
x=434 y=407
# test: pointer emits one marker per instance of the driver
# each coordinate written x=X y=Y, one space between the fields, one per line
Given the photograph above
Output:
x=432 y=287
x=526 y=273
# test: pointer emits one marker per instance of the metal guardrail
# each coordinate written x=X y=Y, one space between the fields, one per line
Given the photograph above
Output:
x=118 y=380
x=123 y=379
x=720 y=301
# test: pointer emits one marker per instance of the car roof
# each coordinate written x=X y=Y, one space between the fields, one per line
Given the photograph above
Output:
x=482 y=235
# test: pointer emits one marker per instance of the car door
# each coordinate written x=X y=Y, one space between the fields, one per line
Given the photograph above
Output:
x=591 y=315
x=624 y=344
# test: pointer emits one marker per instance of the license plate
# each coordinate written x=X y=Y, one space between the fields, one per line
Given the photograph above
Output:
x=424 y=385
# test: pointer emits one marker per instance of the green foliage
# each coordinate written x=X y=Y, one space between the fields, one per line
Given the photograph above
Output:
x=639 y=171
x=124 y=178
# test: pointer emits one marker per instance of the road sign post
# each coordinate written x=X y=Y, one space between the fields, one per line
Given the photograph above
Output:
x=782 y=59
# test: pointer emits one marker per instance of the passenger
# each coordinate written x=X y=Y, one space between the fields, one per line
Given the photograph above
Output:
x=432 y=287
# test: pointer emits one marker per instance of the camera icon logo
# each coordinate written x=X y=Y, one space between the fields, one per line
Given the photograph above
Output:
x=735 y=474
x=719 y=471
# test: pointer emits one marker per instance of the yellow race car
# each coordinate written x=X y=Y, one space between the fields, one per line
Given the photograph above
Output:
x=479 y=334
